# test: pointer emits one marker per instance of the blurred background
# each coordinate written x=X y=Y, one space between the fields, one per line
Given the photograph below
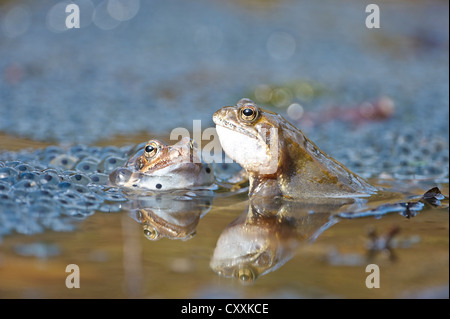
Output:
x=150 y=66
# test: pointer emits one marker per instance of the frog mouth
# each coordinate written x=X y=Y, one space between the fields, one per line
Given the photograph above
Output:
x=230 y=126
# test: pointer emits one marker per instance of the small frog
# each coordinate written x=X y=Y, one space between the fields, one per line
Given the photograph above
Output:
x=279 y=159
x=161 y=167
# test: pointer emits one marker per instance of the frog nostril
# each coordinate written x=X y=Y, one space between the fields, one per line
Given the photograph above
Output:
x=158 y=186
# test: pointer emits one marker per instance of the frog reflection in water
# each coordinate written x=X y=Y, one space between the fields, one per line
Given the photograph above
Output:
x=269 y=233
x=173 y=215
x=279 y=159
x=267 y=236
x=161 y=167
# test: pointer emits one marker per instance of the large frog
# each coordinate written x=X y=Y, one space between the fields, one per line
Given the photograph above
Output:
x=279 y=159
x=164 y=167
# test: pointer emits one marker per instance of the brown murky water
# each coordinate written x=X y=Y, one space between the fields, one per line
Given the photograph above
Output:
x=116 y=260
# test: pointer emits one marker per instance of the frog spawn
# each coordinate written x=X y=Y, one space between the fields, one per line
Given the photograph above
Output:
x=52 y=188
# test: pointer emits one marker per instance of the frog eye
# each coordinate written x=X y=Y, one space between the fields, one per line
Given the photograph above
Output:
x=246 y=275
x=151 y=149
x=249 y=113
x=150 y=232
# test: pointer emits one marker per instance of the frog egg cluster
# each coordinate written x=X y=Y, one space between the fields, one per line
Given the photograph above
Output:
x=400 y=153
x=54 y=187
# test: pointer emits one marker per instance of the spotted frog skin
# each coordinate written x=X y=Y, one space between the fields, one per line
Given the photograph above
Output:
x=164 y=167
x=279 y=159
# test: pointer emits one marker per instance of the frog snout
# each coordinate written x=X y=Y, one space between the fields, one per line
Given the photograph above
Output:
x=120 y=176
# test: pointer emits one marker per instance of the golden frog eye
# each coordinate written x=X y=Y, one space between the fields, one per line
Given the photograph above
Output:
x=245 y=275
x=151 y=149
x=249 y=113
x=150 y=232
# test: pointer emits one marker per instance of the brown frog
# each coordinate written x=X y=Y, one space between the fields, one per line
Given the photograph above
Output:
x=279 y=159
x=164 y=167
